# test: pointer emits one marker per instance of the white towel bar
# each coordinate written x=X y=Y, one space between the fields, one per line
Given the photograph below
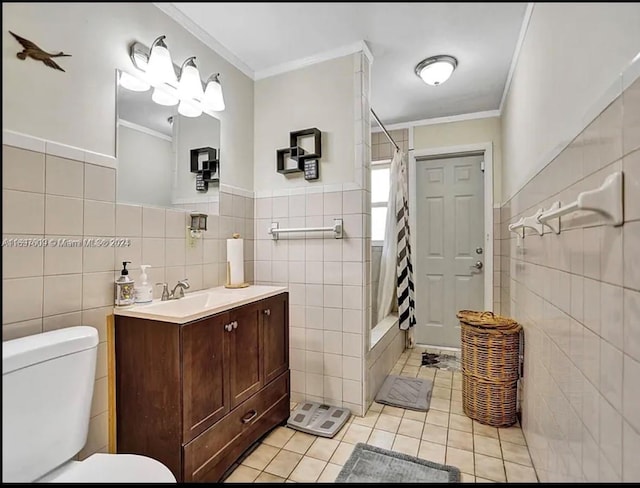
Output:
x=528 y=223
x=337 y=229
x=606 y=200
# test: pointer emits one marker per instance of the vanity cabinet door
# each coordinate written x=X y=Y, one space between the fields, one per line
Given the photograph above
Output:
x=275 y=333
x=245 y=361
x=205 y=381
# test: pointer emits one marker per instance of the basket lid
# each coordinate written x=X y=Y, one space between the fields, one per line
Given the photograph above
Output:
x=488 y=320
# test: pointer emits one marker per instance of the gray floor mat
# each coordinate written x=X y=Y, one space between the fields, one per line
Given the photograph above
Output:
x=401 y=391
x=318 y=419
x=370 y=464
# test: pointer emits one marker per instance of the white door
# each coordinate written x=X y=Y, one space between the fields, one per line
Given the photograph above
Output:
x=449 y=245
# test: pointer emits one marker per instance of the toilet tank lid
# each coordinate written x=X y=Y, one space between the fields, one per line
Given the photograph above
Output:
x=37 y=348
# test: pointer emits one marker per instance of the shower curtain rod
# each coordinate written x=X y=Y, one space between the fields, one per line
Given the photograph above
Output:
x=384 y=129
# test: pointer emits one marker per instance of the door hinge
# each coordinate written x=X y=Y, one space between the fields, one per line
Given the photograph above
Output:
x=482 y=166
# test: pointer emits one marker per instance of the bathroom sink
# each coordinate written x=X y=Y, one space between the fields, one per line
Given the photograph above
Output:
x=196 y=305
x=186 y=305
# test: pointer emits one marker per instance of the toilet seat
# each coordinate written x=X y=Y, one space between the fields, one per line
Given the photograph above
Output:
x=114 y=468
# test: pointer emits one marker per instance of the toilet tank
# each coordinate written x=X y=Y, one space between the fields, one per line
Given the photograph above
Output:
x=47 y=387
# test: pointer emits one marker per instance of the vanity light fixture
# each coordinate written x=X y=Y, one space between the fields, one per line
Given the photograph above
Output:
x=186 y=89
x=190 y=87
x=132 y=83
x=437 y=69
x=163 y=96
x=160 y=67
x=189 y=109
x=213 y=98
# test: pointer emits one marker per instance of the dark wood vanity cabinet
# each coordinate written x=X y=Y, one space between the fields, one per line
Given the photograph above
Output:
x=245 y=352
x=275 y=319
x=205 y=394
x=196 y=396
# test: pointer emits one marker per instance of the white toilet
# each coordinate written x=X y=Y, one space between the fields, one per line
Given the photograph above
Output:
x=47 y=387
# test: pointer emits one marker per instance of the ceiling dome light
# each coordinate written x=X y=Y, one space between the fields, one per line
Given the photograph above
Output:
x=213 y=99
x=436 y=69
x=190 y=85
x=160 y=67
x=132 y=83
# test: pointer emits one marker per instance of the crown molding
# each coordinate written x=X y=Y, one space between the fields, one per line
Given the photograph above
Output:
x=516 y=52
x=143 y=129
x=439 y=120
x=186 y=22
x=359 y=46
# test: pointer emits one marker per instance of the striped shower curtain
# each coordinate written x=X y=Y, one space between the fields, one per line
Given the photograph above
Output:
x=405 y=288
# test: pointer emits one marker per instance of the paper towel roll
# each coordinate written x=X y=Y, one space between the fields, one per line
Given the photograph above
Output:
x=235 y=261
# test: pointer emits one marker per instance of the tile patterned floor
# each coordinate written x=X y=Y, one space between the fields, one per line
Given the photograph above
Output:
x=443 y=434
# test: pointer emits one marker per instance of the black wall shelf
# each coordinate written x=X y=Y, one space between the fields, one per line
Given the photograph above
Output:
x=205 y=162
x=317 y=140
x=306 y=162
x=295 y=153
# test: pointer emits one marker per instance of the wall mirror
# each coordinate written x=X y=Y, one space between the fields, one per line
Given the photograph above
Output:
x=164 y=158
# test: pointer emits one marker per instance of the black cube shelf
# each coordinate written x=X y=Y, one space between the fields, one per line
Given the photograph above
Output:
x=206 y=168
x=295 y=153
x=298 y=154
x=210 y=155
x=317 y=140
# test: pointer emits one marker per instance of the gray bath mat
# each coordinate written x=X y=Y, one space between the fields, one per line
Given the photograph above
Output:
x=370 y=464
x=401 y=391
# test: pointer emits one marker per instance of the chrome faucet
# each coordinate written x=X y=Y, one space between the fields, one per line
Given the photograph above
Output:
x=165 y=291
x=176 y=293
x=180 y=287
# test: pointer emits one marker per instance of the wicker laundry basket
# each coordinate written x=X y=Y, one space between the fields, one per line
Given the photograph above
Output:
x=490 y=367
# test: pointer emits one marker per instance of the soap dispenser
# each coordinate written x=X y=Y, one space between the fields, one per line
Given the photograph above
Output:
x=143 y=290
x=124 y=287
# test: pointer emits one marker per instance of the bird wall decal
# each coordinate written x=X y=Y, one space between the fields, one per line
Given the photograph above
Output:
x=32 y=51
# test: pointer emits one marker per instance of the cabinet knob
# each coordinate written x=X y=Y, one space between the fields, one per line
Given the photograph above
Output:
x=228 y=327
x=267 y=311
x=234 y=324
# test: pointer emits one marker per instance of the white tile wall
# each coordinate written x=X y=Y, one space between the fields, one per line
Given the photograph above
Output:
x=64 y=177
x=22 y=170
x=315 y=266
x=99 y=218
x=22 y=262
x=99 y=183
x=48 y=285
x=63 y=216
x=30 y=218
x=580 y=393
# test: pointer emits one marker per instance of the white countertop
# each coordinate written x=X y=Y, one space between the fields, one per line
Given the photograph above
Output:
x=199 y=304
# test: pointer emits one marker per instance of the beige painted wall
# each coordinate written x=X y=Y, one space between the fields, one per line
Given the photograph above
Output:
x=572 y=53
x=78 y=107
x=322 y=96
x=463 y=133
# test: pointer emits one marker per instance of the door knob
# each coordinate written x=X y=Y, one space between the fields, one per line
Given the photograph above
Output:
x=478 y=250
x=478 y=265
